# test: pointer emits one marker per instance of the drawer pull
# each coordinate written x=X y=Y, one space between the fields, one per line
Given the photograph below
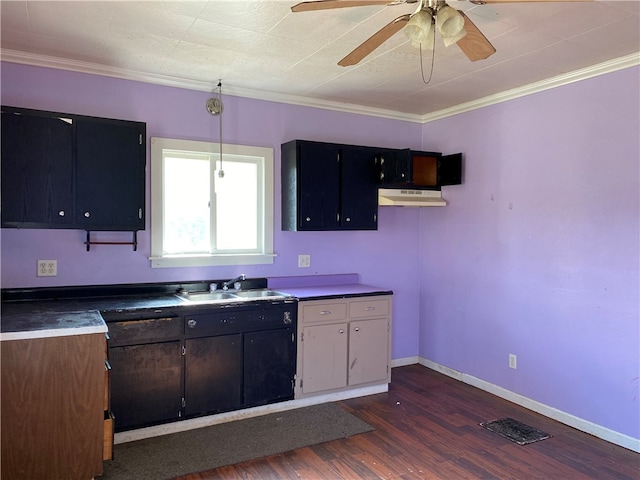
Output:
x=107 y=365
x=370 y=309
x=191 y=323
x=325 y=312
x=357 y=329
x=341 y=331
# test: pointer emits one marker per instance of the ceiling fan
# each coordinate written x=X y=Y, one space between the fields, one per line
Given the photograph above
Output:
x=454 y=26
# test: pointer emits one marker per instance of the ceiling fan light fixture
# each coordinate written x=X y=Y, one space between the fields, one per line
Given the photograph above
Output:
x=418 y=27
x=449 y=22
x=448 y=41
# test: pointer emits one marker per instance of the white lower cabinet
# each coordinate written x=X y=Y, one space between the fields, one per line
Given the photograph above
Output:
x=343 y=344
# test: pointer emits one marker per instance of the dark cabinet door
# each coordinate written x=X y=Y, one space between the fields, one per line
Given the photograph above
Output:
x=269 y=366
x=395 y=166
x=110 y=174
x=146 y=384
x=310 y=185
x=450 y=169
x=359 y=189
x=37 y=166
x=213 y=374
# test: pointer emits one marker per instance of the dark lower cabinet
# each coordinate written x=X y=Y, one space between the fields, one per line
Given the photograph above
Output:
x=268 y=357
x=213 y=375
x=146 y=384
x=210 y=360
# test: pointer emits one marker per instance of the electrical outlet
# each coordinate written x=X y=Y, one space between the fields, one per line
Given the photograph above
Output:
x=47 y=268
x=513 y=361
x=304 y=261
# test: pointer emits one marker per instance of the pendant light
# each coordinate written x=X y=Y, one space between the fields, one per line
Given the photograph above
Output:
x=215 y=107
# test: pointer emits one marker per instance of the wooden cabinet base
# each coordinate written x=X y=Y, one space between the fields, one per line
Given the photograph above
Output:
x=51 y=415
x=107 y=442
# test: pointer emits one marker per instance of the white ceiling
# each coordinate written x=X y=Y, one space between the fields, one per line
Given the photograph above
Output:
x=260 y=49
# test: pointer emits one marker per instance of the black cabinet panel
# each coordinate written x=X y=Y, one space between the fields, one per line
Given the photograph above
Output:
x=269 y=366
x=328 y=186
x=146 y=384
x=110 y=175
x=37 y=159
x=71 y=171
x=359 y=188
x=213 y=374
x=450 y=170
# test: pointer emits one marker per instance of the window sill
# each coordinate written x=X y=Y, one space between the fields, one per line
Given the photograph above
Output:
x=211 y=260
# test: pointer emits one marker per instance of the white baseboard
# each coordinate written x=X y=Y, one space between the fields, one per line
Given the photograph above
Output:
x=401 y=362
x=193 y=423
x=563 y=417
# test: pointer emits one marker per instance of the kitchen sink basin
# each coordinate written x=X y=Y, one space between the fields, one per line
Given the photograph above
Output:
x=235 y=296
x=206 y=297
x=262 y=293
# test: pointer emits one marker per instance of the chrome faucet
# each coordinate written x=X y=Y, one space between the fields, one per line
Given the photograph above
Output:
x=234 y=281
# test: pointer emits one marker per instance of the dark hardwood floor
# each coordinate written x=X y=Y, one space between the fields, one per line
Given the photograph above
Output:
x=426 y=427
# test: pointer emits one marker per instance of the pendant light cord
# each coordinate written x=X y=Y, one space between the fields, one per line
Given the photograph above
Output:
x=221 y=171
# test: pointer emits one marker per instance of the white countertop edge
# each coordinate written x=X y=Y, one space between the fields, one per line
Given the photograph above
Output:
x=55 y=332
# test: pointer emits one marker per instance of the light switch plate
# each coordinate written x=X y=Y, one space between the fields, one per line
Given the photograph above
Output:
x=304 y=261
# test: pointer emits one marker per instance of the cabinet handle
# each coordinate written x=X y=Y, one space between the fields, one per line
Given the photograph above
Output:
x=325 y=312
x=61 y=213
x=348 y=219
x=87 y=214
x=191 y=323
x=341 y=331
x=370 y=309
x=140 y=213
x=107 y=365
x=357 y=329
x=308 y=219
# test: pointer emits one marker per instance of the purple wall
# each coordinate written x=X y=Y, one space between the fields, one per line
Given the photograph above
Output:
x=537 y=253
x=384 y=258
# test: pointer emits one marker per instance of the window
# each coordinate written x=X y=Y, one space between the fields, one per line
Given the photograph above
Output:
x=207 y=212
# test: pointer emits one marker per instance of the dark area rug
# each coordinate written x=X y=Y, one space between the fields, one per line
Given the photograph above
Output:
x=205 y=448
x=515 y=431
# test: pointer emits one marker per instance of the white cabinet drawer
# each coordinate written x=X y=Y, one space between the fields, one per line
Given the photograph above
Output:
x=369 y=308
x=321 y=312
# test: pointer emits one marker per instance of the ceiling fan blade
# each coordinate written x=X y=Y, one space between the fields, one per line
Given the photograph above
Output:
x=329 y=4
x=482 y=2
x=375 y=40
x=474 y=44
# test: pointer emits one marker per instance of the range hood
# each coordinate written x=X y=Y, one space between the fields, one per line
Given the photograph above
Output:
x=391 y=197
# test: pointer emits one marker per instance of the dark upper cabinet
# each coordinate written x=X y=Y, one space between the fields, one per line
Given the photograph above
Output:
x=359 y=188
x=110 y=166
x=413 y=169
x=328 y=186
x=36 y=166
x=71 y=171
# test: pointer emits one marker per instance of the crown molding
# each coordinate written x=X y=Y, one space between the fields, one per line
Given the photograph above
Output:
x=553 y=82
x=13 y=56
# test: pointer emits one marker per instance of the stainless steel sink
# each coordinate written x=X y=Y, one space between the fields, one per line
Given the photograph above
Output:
x=262 y=293
x=235 y=296
x=206 y=297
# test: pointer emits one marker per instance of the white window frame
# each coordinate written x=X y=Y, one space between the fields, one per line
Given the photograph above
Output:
x=158 y=258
